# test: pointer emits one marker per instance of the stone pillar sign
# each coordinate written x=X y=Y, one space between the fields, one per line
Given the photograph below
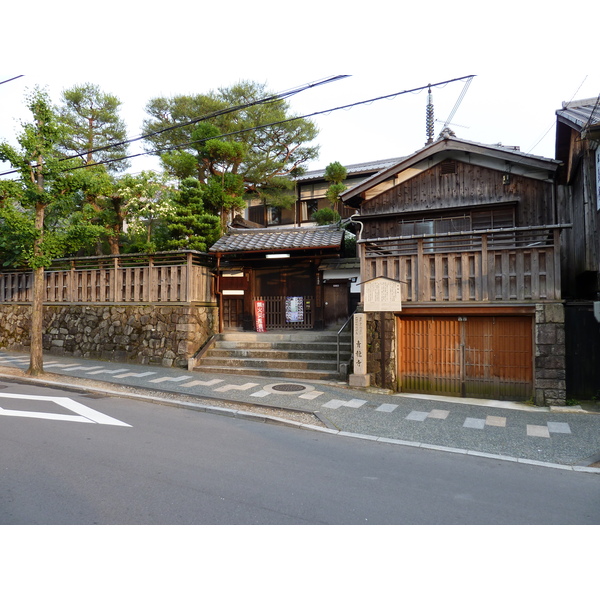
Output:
x=360 y=377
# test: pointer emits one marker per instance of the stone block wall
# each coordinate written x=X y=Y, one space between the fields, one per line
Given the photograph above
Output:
x=382 y=370
x=155 y=334
x=550 y=387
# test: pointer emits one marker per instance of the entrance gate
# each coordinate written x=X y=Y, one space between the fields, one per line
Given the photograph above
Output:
x=288 y=312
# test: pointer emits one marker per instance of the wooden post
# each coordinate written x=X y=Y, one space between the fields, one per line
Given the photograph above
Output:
x=484 y=267
x=556 y=258
x=421 y=283
x=383 y=365
x=189 y=278
x=116 y=280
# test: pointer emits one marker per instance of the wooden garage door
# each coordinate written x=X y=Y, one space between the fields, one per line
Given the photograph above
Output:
x=482 y=357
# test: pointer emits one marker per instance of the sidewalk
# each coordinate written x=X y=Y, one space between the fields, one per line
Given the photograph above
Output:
x=565 y=437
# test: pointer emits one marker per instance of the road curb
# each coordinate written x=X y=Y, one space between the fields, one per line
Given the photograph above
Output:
x=259 y=417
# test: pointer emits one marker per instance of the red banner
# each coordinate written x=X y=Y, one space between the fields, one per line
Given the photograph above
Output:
x=259 y=312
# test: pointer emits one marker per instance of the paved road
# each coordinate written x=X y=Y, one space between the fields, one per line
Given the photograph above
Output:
x=77 y=458
x=514 y=431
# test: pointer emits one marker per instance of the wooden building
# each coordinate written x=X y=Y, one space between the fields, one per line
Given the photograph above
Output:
x=471 y=233
x=272 y=279
x=309 y=193
x=578 y=202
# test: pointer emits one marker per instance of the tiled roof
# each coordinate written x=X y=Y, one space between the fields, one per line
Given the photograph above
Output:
x=263 y=240
x=366 y=167
x=581 y=113
x=443 y=144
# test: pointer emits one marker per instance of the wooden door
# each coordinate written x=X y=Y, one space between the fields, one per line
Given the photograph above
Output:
x=483 y=357
x=335 y=301
x=233 y=312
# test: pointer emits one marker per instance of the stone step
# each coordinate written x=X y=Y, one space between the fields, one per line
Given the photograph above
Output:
x=272 y=373
x=274 y=364
x=301 y=337
x=283 y=346
x=303 y=355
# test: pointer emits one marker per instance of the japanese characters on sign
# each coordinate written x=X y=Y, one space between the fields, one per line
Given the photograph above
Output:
x=360 y=343
x=259 y=312
x=294 y=309
x=382 y=294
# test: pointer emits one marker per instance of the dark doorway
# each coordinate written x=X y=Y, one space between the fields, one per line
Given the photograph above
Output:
x=335 y=297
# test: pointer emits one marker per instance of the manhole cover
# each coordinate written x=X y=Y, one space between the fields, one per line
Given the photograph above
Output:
x=288 y=387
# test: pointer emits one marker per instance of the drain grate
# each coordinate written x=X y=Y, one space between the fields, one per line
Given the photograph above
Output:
x=288 y=387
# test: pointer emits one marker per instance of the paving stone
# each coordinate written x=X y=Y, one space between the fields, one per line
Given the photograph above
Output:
x=555 y=427
x=388 y=408
x=439 y=414
x=310 y=395
x=538 y=431
x=334 y=404
x=354 y=403
x=474 y=423
x=417 y=415
x=243 y=387
x=162 y=379
x=495 y=421
x=207 y=383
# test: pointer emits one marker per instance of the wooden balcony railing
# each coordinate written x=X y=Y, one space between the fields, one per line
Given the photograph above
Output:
x=140 y=278
x=495 y=265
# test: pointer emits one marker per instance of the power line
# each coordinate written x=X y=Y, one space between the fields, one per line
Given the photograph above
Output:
x=11 y=79
x=267 y=100
x=307 y=116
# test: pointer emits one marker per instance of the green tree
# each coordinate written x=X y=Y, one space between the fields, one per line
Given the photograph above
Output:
x=325 y=216
x=190 y=227
x=263 y=142
x=336 y=174
x=41 y=220
x=93 y=128
x=145 y=200
x=94 y=132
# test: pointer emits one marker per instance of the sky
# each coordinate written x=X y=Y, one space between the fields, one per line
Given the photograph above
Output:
x=525 y=60
x=528 y=56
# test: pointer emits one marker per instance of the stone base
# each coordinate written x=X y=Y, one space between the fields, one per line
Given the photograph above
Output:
x=359 y=380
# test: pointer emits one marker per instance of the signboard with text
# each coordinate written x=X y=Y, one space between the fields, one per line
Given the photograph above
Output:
x=382 y=294
x=294 y=309
x=360 y=343
x=260 y=316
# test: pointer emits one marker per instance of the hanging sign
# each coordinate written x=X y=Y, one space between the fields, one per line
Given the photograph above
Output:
x=294 y=309
x=260 y=316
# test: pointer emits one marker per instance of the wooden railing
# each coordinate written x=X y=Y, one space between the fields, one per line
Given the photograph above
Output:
x=160 y=277
x=517 y=264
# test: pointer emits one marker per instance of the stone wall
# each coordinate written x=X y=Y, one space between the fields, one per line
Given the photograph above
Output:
x=382 y=370
x=154 y=334
x=549 y=366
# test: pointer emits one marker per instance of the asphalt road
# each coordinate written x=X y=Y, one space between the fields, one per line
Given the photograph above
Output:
x=111 y=460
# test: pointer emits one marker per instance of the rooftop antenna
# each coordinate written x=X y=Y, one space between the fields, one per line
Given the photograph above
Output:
x=460 y=99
